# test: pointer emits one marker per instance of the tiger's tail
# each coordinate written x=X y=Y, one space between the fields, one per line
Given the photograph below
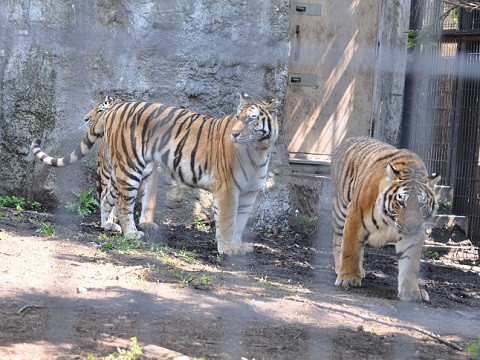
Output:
x=83 y=148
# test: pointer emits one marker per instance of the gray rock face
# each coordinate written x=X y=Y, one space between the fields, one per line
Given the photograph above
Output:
x=56 y=62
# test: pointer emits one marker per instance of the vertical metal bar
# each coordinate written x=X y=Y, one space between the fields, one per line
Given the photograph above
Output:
x=457 y=96
x=411 y=85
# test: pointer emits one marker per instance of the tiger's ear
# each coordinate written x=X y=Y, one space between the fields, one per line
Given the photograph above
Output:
x=108 y=99
x=244 y=97
x=392 y=173
x=433 y=179
x=272 y=104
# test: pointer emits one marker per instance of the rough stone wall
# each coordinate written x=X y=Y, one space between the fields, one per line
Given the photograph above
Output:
x=58 y=58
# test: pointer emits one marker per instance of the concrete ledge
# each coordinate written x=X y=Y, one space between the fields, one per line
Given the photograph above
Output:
x=448 y=221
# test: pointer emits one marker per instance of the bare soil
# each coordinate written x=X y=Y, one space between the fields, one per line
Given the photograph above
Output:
x=67 y=296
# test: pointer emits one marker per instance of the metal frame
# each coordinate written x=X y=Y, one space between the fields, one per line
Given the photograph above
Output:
x=442 y=104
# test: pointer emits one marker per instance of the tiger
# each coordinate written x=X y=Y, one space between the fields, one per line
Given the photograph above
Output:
x=228 y=156
x=380 y=194
x=103 y=168
x=147 y=193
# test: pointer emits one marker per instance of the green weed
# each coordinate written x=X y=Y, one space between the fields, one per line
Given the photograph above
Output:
x=20 y=203
x=85 y=204
x=445 y=203
x=47 y=228
x=264 y=281
x=433 y=255
x=204 y=279
x=134 y=352
x=474 y=349
x=201 y=225
x=187 y=256
x=120 y=243
x=304 y=226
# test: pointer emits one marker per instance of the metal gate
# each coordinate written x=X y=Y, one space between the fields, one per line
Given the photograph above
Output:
x=441 y=120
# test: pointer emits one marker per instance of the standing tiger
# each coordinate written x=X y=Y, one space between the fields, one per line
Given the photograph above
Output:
x=381 y=194
x=228 y=156
x=147 y=192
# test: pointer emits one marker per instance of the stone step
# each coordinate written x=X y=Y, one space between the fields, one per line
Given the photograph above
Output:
x=448 y=221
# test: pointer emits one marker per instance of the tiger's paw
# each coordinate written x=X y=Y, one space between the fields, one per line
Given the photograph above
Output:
x=111 y=226
x=347 y=280
x=243 y=249
x=135 y=235
x=417 y=295
x=225 y=249
x=149 y=227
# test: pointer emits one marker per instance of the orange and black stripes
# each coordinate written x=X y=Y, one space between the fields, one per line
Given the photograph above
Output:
x=228 y=156
x=360 y=165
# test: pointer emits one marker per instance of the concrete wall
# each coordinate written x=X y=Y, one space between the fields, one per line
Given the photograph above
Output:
x=338 y=47
x=357 y=51
x=390 y=71
x=58 y=58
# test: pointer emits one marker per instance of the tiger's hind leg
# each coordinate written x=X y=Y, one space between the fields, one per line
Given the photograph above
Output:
x=148 y=191
x=128 y=184
x=409 y=252
x=338 y=225
x=108 y=207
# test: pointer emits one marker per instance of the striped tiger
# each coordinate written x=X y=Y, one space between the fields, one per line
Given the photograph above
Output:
x=147 y=192
x=103 y=168
x=381 y=194
x=228 y=156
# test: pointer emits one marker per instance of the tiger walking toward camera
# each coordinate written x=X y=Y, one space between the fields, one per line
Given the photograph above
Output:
x=381 y=194
x=228 y=156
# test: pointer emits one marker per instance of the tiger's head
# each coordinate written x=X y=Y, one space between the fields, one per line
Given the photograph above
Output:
x=255 y=122
x=409 y=198
x=97 y=110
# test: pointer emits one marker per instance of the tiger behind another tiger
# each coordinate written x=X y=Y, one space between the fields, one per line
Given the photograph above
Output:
x=228 y=156
x=381 y=194
x=148 y=187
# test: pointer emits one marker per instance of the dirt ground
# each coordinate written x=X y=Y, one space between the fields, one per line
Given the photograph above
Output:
x=77 y=293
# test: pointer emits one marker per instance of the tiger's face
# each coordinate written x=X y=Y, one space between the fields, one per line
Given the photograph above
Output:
x=409 y=200
x=97 y=110
x=256 y=122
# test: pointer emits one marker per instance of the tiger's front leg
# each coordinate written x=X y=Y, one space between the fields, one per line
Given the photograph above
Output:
x=245 y=206
x=409 y=252
x=351 y=260
x=225 y=203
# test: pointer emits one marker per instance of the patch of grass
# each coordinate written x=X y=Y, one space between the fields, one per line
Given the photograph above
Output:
x=264 y=281
x=433 y=255
x=445 y=203
x=304 y=226
x=47 y=228
x=187 y=256
x=134 y=352
x=85 y=204
x=201 y=225
x=120 y=243
x=474 y=349
x=20 y=203
x=204 y=279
